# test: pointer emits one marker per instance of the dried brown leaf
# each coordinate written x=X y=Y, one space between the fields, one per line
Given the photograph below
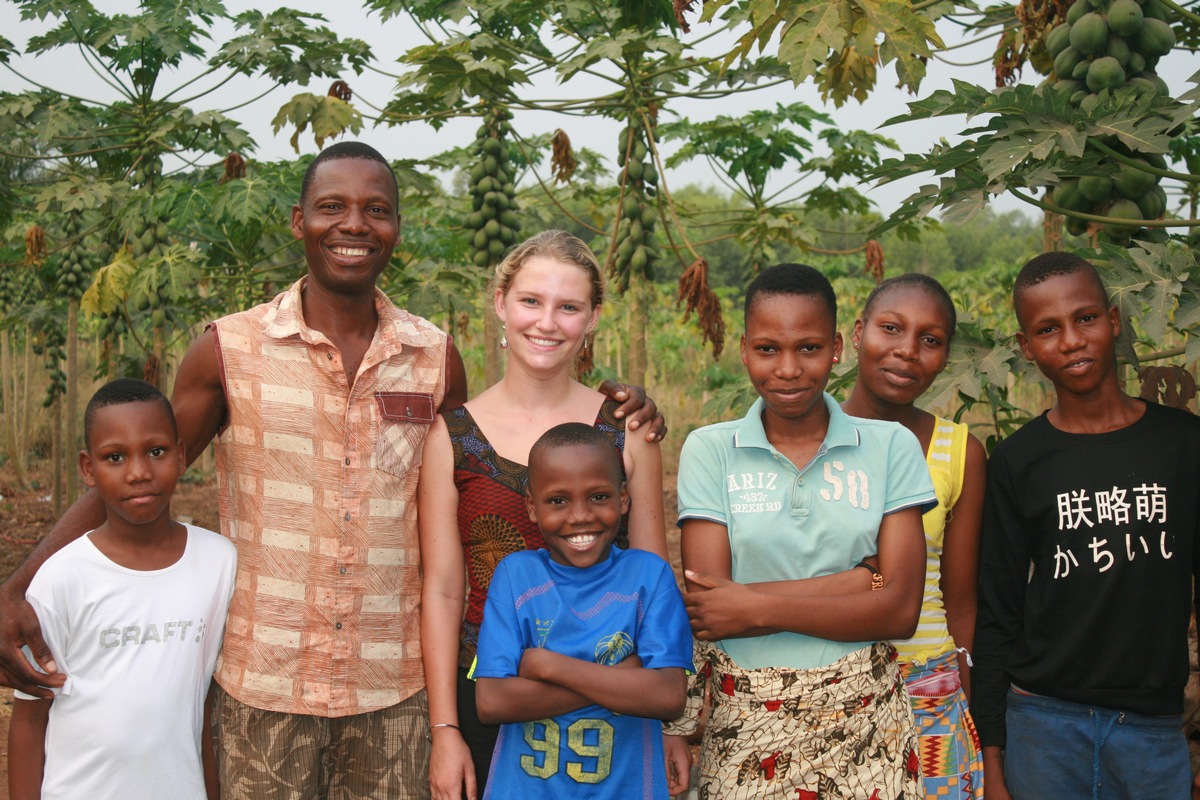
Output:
x=874 y=260
x=1172 y=385
x=35 y=246
x=235 y=168
x=699 y=298
x=341 y=90
x=562 y=161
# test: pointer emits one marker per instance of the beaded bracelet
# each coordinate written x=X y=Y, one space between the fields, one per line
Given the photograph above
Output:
x=876 y=575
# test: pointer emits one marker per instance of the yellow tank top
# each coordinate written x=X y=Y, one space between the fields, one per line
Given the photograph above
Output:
x=946 y=458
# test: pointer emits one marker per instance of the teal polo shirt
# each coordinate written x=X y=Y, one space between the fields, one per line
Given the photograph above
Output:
x=787 y=522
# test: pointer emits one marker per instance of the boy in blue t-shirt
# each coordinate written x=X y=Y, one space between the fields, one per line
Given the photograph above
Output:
x=584 y=647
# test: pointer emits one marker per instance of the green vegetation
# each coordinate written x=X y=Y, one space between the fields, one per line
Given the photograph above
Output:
x=129 y=221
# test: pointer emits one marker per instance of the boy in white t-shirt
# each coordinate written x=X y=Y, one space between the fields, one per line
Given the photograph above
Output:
x=134 y=613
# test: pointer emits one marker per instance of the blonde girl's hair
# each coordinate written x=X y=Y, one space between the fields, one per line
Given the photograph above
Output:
x=558 y=245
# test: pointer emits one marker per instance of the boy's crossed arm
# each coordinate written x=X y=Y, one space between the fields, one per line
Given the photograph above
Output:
x=549 y=684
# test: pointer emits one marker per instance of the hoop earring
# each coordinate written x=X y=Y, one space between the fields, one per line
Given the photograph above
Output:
x=503 y=338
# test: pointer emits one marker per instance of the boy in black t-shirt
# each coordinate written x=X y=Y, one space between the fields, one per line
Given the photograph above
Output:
x=1081 y=661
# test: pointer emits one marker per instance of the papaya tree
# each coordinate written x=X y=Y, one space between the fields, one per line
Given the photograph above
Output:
x=472 y=71
x=752 y=150
x=149 y=128
x=103 y=162
x=1094 y=142
x=480 y=53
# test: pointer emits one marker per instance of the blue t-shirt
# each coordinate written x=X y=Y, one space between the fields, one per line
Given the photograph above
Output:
x=788 y=521
x=627 y=604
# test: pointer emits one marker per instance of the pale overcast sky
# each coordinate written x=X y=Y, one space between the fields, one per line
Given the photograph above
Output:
x=66 y=71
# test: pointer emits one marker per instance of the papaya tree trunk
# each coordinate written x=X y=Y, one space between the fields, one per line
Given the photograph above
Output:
x=10 y=386
x=71 y=399
x=637 y=335
x=1052 y=231
x=493 y=362
x=159 y=349
x=56 y=454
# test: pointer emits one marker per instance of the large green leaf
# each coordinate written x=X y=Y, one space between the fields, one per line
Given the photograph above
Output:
x=327 y=116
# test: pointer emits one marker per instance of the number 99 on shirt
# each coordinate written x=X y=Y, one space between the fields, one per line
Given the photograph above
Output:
x=589 y=739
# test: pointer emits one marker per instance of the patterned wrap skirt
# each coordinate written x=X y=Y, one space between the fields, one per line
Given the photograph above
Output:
x=948 y=746
x=844 y=730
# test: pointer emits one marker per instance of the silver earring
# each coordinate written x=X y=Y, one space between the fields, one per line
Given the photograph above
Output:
x=503 y=338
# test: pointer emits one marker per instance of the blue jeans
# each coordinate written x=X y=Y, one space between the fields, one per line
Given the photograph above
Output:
x=1057 y=750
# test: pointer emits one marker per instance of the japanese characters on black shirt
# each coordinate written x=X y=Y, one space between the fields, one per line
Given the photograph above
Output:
x=1104 y=518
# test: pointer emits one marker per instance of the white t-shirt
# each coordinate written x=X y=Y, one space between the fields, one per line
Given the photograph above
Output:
x=139 y=649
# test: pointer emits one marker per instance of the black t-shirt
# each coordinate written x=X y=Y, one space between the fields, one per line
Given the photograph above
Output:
x=1086 y=562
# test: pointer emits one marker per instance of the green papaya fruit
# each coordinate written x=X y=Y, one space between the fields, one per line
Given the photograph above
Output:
x=637 y=261
x=1105 y=73
x=1125 y=209
x=1155 y=39
x=1118 y=48
x=1066 y=195
x=1097 y=188
x=1153 y=204
x=1089 y=35
x=1058 y=39
x=1066 y=61
x=1125 y=17
x=1132 y=182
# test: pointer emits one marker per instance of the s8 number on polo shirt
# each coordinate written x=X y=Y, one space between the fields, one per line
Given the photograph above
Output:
x=589 y=739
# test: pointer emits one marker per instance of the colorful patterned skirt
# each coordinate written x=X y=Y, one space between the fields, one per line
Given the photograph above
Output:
x=840 y=731
x=951 y=761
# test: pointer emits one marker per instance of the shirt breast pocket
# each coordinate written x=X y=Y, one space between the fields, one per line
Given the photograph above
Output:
x=401 y=423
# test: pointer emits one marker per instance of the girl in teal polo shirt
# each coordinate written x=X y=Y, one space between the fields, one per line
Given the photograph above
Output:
x=779 y=510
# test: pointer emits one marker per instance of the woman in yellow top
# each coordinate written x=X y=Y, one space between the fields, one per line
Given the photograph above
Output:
x=902 y=341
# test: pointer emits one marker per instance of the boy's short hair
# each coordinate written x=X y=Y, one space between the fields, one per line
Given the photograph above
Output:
x=1051 y=265
x=120 y=392
x=797 y=279
x=336 y=152
x=570 y=434
x=914 y=280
